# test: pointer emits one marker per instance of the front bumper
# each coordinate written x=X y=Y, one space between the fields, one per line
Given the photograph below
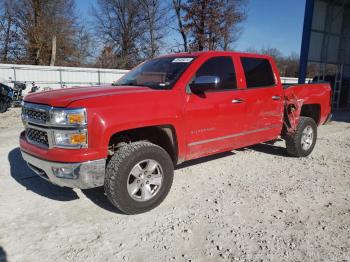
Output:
x=88 y=174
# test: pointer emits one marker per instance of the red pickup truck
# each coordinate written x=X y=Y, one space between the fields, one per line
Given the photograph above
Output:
x=129 y=136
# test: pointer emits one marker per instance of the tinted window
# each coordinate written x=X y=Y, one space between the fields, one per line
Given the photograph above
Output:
x=223 y=68
x=258 y=72
x=160 y=73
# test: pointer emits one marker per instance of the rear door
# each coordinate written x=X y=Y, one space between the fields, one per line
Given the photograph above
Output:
x=264 y=99
x=213 y=120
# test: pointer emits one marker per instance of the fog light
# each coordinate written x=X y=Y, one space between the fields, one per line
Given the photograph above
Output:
x=78 y=139
x=64 y=172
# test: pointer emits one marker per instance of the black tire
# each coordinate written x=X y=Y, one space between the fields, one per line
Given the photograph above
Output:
x=294 y=141
x=3 y=106
x=9 y=103
x=117 y=175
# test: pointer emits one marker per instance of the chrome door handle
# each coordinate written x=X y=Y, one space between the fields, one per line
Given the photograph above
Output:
x=276 y=98
x=237 y=101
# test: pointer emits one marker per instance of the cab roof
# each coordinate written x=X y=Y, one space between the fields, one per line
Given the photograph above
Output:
x=213 y=53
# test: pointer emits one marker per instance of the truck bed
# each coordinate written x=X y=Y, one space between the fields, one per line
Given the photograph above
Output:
x=311 y=94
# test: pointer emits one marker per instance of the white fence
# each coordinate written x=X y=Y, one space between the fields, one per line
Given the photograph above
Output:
x=57 y=77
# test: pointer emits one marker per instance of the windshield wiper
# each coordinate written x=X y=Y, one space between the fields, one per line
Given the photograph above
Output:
x=155 y=85
x=124 y=84
x=146 y=84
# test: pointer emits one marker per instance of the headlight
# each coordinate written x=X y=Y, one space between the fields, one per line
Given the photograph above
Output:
x=70 y=138
x=68 y=117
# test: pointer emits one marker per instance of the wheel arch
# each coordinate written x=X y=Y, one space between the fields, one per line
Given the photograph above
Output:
x=163 y=135
x=311 y=110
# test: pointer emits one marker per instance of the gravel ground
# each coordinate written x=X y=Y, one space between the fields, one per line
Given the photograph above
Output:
x=253 y=204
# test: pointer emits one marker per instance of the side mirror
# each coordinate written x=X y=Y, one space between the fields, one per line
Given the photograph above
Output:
x=204 y=83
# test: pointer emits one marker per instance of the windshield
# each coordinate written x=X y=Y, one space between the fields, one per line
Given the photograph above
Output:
x=160 y=73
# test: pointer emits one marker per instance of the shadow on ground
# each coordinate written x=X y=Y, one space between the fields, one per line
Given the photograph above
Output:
x=31 y=181
x=267 y=148
x=98 y=197
x=3 y=257
x=270 y=149
x=203 y=160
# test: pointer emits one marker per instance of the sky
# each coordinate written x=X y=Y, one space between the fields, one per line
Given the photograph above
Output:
x=273 y=23
x=269 y=24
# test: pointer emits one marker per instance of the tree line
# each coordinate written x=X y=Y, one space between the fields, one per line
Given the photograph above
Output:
x=122 y=32
x=42 y=32
x=287 y=65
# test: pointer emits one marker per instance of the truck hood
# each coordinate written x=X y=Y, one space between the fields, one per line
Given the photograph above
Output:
x=63 y=97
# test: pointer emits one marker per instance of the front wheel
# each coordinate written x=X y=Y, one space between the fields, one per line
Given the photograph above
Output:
x=303 y=140
x=138 y=177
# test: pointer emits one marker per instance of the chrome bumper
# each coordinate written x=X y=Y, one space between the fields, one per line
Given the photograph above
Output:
x=86 y=174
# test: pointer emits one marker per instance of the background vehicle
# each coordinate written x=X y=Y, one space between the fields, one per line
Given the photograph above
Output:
x=6 y=94
x=34 y=88
x=18 y=88
x=129 y=137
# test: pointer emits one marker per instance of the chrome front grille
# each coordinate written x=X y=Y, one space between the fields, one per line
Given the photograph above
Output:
x=36 y=136
x=37 y=114
x=35 y=118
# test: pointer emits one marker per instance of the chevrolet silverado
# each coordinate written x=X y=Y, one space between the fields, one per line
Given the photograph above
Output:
x=129 y=136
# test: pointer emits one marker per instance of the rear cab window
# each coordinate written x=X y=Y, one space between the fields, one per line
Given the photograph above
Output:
x=258 y=72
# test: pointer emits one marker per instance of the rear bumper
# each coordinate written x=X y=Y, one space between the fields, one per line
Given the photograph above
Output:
x=83 y=175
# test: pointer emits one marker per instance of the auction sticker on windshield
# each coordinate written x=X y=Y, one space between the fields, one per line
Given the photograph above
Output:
x=182 y=60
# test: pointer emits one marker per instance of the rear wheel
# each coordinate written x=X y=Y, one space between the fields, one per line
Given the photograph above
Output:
x=303 y=140
x=138 y=177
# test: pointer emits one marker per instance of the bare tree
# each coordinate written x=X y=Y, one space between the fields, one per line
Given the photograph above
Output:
x=53 y=50
x=196 y=16
x=48 y=29
x=121 y=25
x=291 y=64
x=107 y=58
x=47 y=32
x=154 y=23
x=6 y=23
x=213 y=24
x=10 y=40
x=233 y=14
x=178 y=8
x=84 y=47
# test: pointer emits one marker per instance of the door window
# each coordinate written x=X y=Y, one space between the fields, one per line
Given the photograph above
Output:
x=258 y=72
x=222 y=67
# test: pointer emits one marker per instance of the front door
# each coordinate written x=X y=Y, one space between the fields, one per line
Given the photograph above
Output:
x=214 y=119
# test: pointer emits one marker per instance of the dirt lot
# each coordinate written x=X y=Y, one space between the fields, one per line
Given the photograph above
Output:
x=247 y=205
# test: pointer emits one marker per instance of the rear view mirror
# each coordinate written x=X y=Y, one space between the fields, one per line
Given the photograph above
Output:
x=204 y=83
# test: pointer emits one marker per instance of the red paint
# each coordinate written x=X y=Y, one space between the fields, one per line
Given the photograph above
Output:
x=213 y=118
